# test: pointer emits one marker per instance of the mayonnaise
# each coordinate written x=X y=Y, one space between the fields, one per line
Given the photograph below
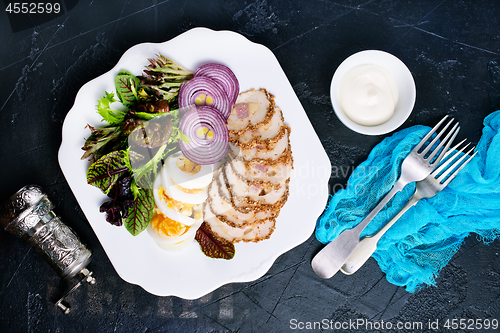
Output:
x=368 y=95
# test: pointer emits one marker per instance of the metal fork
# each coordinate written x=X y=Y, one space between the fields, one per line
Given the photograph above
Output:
x=416 y=166
x=427 y=188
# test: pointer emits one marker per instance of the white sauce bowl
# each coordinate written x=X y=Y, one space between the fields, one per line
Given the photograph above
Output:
x=404 y=81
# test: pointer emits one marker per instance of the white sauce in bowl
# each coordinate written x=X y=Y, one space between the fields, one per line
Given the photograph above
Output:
x=368 y=95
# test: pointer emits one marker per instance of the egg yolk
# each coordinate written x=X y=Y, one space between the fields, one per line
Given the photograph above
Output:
x=167 y=227
x=186 y=190
x=187 y=166
x=180 y=207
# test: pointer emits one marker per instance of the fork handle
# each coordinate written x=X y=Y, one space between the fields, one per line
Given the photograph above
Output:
x=368 y=244
x=398 y=186
x=330 y=259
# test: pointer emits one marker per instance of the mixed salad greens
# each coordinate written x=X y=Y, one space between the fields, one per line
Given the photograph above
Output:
x=129 y=151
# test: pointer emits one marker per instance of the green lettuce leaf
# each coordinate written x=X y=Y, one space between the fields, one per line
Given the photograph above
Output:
x=105 y=172
x=126 y=85
x=141 y=213
x=95 y=144
x=162 y=79
x=155 y=115
x=147 y=169
x=178 y=135
x=113 y=117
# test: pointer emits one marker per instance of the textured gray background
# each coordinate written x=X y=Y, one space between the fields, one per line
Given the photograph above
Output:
x=452 y=49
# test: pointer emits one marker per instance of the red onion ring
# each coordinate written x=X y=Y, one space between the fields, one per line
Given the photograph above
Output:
x=204 y=85
x=200 y=150
x=223 y=76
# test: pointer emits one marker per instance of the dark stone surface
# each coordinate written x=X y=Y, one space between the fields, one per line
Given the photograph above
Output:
x=452 y=49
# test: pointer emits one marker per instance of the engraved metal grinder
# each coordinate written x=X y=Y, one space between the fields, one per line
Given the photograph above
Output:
x=28 y=214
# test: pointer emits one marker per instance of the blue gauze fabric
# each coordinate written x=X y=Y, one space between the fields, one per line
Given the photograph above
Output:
x=424 y=239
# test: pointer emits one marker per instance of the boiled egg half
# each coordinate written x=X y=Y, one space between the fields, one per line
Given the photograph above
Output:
x=179 y=192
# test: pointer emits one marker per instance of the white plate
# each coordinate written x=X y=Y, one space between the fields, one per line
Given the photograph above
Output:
x=404 y=80
x=189 y=273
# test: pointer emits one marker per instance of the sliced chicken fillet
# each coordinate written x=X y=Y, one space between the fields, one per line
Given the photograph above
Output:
x=257 y=192
x=276 y=171
x=235 y=216
x=253 y=107
x=263 y=132
x=252 y=185
x=252 y=233
x=271 y=148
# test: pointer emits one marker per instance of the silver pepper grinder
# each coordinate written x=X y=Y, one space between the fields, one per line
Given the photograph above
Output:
x=28 y=214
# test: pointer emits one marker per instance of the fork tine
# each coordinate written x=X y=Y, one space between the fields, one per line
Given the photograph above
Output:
x=432 y=131
x=445 y=164
x=436 y=138
x=448 y=141
x=450 y=178
x=454 y=148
